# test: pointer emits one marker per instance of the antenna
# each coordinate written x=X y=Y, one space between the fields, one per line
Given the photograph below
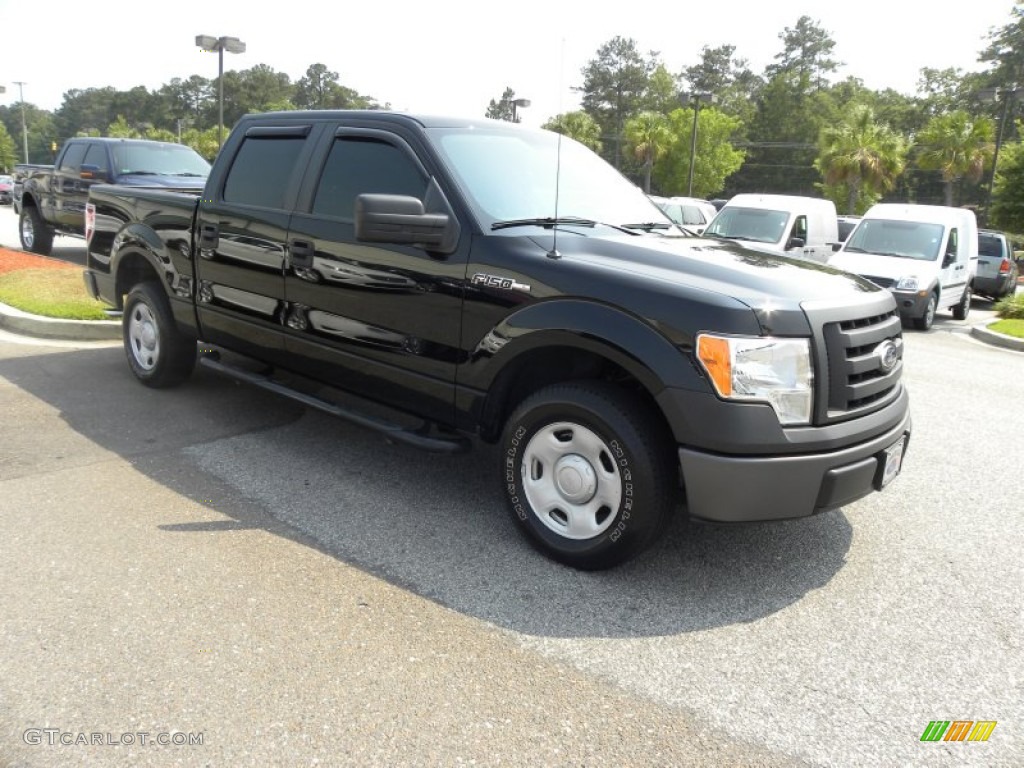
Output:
x=553 y=253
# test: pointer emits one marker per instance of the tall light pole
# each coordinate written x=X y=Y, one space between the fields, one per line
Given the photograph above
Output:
x=1009 y=96
x=24 y=130
x=695 y=100
x=518 y=103
x=220 y=44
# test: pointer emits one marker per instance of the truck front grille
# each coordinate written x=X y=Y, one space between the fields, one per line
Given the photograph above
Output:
x=881 y=282
x=864 y=363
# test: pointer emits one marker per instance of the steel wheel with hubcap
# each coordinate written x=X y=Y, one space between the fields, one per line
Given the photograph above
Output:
x=588 y=473
x=158 y=353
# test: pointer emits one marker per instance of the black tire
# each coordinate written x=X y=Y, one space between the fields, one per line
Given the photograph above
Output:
x=963 y=307
x=159 y=354
x=610 y=451
x=925 y=321
x=35 y=235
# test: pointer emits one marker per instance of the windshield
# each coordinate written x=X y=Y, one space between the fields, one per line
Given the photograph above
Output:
x=906 y=239
x=159 y=159
x=511 y=175
x=756 y=224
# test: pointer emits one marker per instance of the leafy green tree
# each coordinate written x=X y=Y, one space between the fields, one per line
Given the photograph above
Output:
x=958 y=146
x=204 y=142
x=8 y=152
x=502 y=108
x=1008 y=192
x=41 y=131
x=714 y=161
x=730 y=79
x=313 y=90
x=577 y=125
x=648 y=136
x=861 y=157
x=806 y=54
x=120 y=129
x=615 y=83
x=662 y=94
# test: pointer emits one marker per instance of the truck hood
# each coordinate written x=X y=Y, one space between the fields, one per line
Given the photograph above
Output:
x=892 y=267
x=720 y=267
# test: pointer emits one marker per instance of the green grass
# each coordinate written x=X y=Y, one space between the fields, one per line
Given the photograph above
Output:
x=1009 y=327
x=50 y=293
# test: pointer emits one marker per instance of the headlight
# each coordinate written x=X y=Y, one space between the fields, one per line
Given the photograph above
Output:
x=907 y=284
x=774 y=371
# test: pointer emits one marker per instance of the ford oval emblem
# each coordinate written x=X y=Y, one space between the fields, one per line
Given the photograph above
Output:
x=888 y=355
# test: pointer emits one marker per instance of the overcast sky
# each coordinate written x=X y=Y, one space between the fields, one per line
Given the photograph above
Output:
x=452 y=56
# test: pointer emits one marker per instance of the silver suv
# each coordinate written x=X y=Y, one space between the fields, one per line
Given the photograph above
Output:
x=997 y=270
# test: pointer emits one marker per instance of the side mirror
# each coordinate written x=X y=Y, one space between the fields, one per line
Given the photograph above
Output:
x=92 y=173
x=836 y=247
x=400 y=219
x=795 y=242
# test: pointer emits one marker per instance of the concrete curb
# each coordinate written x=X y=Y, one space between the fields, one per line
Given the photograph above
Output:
x=982 y=333
x=26 y=324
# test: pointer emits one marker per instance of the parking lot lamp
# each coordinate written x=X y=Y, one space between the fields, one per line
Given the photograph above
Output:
x=695 y=100
x=220 y=44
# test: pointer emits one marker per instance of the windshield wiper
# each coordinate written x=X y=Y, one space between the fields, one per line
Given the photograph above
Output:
x=551 y=221
x=141 y=173
x=649 y=226
x=544 y=221
x=196 y=175
x=724 y=237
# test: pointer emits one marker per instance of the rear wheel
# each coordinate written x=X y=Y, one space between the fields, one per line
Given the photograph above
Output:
x=35 y=235
x=925 y=321
x=158 y=353
x=963 y=307
x=588 y=474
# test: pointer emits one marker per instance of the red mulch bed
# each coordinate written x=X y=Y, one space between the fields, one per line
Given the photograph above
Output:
x=14 y=260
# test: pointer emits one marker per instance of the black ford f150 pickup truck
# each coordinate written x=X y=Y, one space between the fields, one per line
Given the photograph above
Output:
x=52 y=198
x=505 y=283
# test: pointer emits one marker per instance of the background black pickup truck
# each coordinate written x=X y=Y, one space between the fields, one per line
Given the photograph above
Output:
x=481 y=279
x=52 y=197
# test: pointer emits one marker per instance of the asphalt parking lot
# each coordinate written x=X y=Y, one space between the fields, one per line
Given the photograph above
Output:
x=212 y=559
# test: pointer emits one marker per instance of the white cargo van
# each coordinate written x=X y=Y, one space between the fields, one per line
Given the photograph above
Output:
x=805 y=227
x=927 y=255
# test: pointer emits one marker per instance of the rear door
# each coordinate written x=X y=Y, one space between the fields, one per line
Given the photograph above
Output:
x=240 y=238
x=380 y=320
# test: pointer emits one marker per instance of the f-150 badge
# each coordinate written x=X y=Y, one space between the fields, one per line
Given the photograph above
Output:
x=496 y=281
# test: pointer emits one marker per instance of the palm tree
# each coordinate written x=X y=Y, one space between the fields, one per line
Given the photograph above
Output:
x=958 y=146
x=649 y=136
x=579 y=126
x=860 y=154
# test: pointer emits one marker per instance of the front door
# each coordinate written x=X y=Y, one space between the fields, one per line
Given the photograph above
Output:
x=379 y=320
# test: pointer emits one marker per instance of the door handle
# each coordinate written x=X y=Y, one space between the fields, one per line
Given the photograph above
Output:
x=209 y=236
x=300 y=253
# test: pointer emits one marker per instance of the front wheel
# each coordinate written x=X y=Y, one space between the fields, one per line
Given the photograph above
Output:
x=35 y=235
x=588 y=474
x=158 y=353
x=925 y=321
x=963 y=307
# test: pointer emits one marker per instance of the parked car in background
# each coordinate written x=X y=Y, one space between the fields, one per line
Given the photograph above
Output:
x=997 y=269
x=689 y=212
x=788 y=225
x=53 y=196
x=846 y=226
x=6 y=190
x=927 y=255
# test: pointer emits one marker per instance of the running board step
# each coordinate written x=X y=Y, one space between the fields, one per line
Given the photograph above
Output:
x=417 y=438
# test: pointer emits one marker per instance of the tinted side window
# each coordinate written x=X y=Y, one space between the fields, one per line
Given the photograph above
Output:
x=72 y=159
x=261 y=170
x=96 y=155
x=362 y=165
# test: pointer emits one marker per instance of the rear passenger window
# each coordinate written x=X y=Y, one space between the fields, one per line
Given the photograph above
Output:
x=359 y=165
x=261 y=170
